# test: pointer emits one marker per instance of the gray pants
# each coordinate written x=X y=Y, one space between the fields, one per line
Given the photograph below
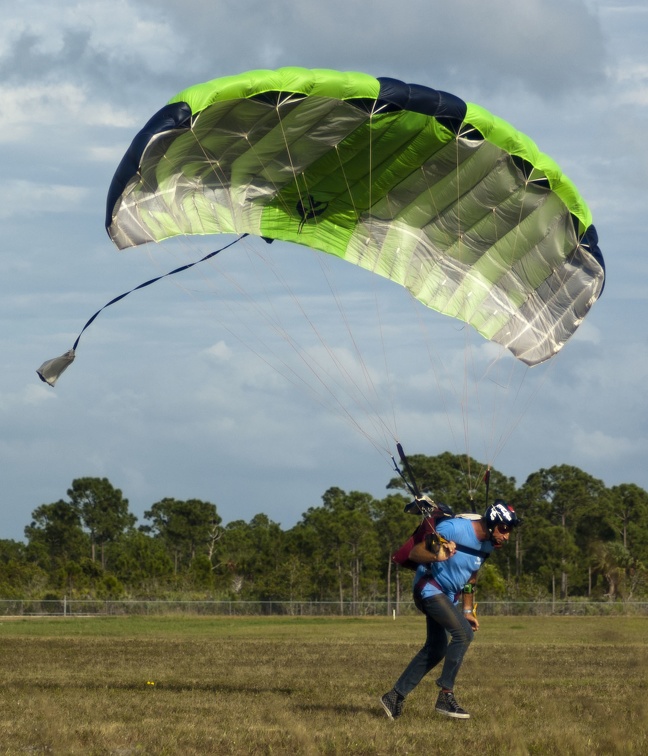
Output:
x=443 y=619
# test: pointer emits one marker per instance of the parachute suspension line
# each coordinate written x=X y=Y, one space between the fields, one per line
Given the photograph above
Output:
x=306 y=204
x=375 y=282
x=486 y=415
x=436 y=361
x=499 y=408
x=361 y=399
x=487 y=475
x=281 y=365
x=286 y=370
x=497 y=446
x=472 y=399
x=292 y=166
x=383 y=346
x=527 y=402
x=474 y=412
x=438 y=366
x=317 y=369
x=507 y=382
x=466 y=405
x=470 y=392
x=496 y=410
x=365 y=401
x=492 y=447
x=274 y=322
x=312 y=365
x=371 y=399
x=216 y=171
x=273 y=319
x=487 y=428
x=465 y=397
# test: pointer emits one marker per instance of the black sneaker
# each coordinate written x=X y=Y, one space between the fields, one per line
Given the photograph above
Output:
x=447 y=705
x=392 y=703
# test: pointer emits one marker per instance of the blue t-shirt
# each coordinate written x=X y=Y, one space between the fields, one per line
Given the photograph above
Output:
x=452 y=574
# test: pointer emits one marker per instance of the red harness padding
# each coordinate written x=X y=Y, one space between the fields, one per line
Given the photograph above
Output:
x=425 y=528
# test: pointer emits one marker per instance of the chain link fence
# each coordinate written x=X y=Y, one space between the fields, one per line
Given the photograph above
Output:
x=90 y=608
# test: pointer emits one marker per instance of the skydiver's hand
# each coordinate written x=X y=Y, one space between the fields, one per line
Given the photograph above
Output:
x=438 y=551
x=447 y=549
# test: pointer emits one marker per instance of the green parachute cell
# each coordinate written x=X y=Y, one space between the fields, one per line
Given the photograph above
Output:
x=413 y=184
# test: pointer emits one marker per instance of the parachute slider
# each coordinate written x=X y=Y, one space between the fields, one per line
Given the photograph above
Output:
x=424 y=505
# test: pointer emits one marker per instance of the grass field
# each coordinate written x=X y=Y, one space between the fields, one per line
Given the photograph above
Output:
x=251 y=685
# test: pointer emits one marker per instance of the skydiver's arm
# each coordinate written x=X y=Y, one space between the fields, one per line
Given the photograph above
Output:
x=468 y=604
x=427 y=551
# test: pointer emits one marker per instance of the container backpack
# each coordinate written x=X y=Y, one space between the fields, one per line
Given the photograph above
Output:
x=432 y=513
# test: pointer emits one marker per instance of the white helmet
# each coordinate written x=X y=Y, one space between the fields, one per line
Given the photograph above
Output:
x=501 y=513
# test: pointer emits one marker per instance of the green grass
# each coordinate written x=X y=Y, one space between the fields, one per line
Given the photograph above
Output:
x=311 y=685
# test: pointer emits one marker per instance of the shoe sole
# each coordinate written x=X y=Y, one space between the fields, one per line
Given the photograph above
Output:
x=453 y=714
x=386 y=708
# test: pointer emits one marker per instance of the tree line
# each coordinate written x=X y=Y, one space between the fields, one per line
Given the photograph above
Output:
x=579 y=538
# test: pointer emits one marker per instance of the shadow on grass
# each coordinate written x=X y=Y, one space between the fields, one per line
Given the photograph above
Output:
x=175 y=687
x=338 y=709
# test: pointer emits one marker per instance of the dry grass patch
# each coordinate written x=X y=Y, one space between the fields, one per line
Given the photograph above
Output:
x=311 y=686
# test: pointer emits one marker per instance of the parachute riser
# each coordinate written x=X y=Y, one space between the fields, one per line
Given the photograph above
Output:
x=487 y=482
x=471 y=498
x=411 y=484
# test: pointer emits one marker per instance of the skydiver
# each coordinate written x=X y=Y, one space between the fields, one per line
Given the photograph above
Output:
x=443 y=576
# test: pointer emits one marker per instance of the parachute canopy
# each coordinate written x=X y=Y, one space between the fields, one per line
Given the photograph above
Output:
x=414 y=184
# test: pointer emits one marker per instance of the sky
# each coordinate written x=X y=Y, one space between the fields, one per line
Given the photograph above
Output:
x=187 y=389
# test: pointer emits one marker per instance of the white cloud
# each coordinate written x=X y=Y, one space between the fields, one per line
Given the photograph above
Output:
x=36 y=108
x=587 y=332
x=597 y=445
x=105 y=154
x=220 y=351
x=27 y=197
x=544 y=45
x=118 y=30
x=32 y=394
